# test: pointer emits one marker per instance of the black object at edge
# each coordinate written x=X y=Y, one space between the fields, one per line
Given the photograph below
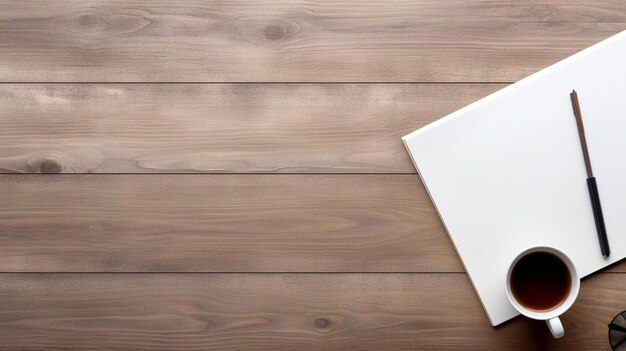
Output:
x=613 y=346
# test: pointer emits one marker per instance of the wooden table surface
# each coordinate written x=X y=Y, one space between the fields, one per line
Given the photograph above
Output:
x=230 y=175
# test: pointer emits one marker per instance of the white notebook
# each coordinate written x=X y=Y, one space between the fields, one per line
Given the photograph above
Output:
x=507 y=172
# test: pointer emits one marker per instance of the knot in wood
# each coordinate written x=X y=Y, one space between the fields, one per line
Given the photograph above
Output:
x=322 y=323
x=275 y=32
x=88 y=21
x=50 y=166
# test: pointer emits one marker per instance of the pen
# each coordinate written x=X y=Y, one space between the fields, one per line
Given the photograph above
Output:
x=594 y=196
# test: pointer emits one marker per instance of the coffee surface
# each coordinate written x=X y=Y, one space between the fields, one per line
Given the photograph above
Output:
x=540 y=281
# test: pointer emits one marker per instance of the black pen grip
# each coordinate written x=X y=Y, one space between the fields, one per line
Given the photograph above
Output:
x=597 y=215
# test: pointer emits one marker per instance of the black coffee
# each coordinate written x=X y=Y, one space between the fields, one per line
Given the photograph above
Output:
x=540 y=281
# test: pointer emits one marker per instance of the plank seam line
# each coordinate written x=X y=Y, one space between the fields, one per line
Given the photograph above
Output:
x=238 y=273
x=260 y=83
x=259 y=273
x=204 y=174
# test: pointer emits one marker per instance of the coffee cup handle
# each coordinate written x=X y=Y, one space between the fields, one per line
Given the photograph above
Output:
x=555 y=326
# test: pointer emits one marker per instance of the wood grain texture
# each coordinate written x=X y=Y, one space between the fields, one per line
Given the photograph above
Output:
x=296 y=40
x=223 y=223
x=281 y=312
x=297 y=261
x=306 y=128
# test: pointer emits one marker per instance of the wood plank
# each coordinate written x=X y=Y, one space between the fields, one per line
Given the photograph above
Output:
x=307 y=128
x=282 y=312
x=220 y=223
x=296 y=40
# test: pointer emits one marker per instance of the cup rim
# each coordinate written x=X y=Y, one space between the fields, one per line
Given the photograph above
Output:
x=561 y=308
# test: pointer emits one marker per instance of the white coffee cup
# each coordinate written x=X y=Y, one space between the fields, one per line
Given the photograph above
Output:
x=551 y=315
